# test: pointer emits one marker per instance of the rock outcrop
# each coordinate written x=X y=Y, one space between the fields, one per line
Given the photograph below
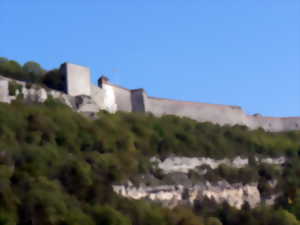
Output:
x=35 y=93
x=172 y=195
x=185 y=164
x=176 y=187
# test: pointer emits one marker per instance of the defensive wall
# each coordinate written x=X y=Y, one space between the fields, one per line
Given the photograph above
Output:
x=114 y=98
x=84 y=96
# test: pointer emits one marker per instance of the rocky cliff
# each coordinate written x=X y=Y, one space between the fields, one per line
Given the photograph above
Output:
x=177 y=187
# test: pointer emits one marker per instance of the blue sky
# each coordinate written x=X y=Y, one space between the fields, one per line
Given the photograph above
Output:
x=233 y=52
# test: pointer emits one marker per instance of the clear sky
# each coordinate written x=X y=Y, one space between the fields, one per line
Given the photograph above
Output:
x=233 y=52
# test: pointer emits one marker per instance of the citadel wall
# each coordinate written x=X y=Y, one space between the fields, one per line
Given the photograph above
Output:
x=275 y=124
x=220 y=114
x=123 y=98
x=202 y=112
x=139 y=100
x=113 y=98
x=83 y=96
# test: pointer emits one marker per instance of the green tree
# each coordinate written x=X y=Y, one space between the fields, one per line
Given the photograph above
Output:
x=33 y=67
x=106 y=215
x=54 y=79
x=283 y=217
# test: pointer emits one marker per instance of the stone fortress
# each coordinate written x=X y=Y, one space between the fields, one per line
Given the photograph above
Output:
x=84 y=96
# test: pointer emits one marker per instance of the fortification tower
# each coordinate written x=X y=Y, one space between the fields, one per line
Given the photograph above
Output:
x=78 y=79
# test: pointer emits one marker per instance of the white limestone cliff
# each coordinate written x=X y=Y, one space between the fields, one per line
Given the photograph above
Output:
x=182 y=192
x=185 y=164
x=171 y=195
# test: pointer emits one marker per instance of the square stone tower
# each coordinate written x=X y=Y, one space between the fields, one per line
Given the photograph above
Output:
x=78 y=79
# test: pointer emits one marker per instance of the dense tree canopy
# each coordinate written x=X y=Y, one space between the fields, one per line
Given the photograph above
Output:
x=33 y=67
x=57 y=167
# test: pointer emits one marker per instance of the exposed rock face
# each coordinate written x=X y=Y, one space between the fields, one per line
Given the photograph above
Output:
x=176 y=187
x=184 y=164
x=171 y=195
x=35 y=93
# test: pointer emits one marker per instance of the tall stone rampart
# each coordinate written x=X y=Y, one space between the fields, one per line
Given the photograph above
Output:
x=202 y=112
x=123 y=98
x=120 y=95
x=275 y=124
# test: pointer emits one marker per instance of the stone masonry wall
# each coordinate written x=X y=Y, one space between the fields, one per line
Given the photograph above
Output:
x=122 y=98
x=202 y=112
x=78 y=79
x=220 y=114
x=138 y=100
x=114 y=98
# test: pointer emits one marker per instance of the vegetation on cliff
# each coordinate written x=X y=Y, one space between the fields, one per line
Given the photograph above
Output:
x=31 y=72
x=57 y=167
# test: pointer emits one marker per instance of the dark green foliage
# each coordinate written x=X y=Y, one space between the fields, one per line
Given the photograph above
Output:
x=107 y=215
x=34 y=68
x=54 y=80
x=233 y=175
x=32 y=72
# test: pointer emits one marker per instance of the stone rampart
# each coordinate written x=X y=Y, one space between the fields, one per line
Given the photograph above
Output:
x=111 y=97
x=202 y=112
x=220 y=114
x=123 y=98
x=274 y=124
x=139 y=100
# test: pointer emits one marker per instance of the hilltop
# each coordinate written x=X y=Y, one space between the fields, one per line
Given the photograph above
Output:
x=60 y=167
